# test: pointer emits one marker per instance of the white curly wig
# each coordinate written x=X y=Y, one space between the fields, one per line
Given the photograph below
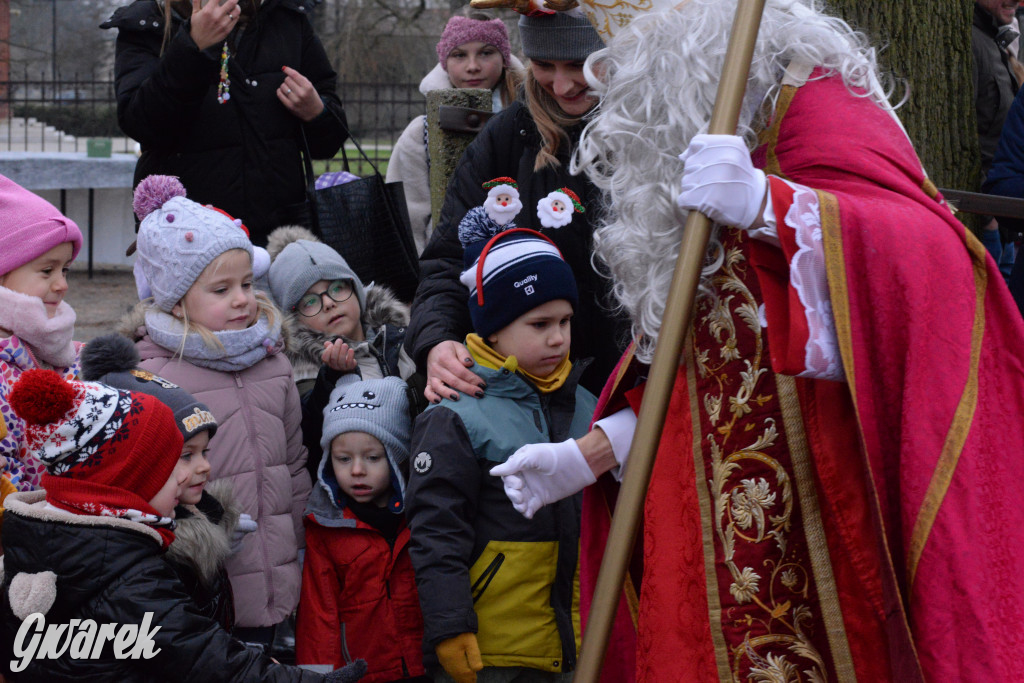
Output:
x=657 y=81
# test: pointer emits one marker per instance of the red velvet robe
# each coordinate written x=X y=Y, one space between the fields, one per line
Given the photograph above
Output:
x=864 y=530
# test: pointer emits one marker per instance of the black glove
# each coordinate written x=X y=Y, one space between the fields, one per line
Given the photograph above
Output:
x=350 y=673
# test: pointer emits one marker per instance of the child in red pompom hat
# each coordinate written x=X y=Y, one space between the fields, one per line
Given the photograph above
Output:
x=88 y=549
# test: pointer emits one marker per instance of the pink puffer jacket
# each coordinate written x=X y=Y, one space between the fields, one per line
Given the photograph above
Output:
x=258 y=446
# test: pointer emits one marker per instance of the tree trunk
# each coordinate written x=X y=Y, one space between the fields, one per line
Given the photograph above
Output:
x=927 y=47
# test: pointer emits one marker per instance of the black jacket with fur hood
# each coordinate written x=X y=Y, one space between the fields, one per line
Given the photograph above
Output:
x=110 y=570
x=202 y=542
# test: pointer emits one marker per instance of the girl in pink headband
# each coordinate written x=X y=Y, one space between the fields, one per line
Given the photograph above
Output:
x=473 y=52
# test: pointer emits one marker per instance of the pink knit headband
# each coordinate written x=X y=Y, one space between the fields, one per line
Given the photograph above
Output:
x=462 y=30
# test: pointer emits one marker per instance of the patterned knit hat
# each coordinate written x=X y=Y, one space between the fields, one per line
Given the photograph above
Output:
x=462 y=30
x=178 y=238
x=512 y=273
x=301 y=263
x=107 y=452
x=30 y=226
x=378 y=407
x=113 y=360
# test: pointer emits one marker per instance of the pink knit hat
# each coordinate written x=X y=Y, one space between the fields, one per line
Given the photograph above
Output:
x=462 y=30
x=30 y=226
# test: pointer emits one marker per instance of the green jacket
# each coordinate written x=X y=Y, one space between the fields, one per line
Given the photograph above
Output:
x=481 y=566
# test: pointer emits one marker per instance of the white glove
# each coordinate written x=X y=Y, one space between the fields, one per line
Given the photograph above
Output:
x=541 y=473
x=721 y=182
x=246 y=525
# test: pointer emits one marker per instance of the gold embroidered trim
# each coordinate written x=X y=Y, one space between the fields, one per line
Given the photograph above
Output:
x=814 y=531
x=711 y=577
x=961 y=425
x=770 y=136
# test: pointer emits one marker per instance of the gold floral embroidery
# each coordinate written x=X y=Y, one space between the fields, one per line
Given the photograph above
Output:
x=777 y=592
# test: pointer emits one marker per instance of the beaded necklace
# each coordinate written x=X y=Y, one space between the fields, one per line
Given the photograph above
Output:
x=224 y=86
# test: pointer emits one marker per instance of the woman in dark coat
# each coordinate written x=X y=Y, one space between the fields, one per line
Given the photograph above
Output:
x=530 y=141
x=220 y=94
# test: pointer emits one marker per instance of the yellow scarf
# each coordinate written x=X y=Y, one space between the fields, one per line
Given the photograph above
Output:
x=489 y=358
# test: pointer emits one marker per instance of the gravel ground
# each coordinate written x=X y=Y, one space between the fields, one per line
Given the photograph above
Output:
x=100 y=302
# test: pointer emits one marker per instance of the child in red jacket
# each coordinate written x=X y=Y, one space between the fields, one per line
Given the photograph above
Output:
x=359 y=597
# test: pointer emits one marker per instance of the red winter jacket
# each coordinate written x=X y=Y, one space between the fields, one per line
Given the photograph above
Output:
x=359 y=594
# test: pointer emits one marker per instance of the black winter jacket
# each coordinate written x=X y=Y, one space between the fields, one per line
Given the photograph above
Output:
x=508 y=146
x=993 y=81
x=112 y=571
x=241 y=156
x=202 y=543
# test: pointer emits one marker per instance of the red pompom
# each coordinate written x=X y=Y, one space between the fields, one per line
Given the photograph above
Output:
x=41 y=397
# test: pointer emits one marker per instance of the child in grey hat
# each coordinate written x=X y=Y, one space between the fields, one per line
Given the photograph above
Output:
x=336 y=324
x=358 y=587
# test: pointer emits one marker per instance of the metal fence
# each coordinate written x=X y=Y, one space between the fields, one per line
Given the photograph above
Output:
x=60 y=115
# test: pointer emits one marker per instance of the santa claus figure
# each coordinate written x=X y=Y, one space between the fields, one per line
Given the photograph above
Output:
x=502 y=203
x=556 y=209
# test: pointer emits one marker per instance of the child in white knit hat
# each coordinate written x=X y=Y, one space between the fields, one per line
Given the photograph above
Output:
x=210 y=332
x=36 y=324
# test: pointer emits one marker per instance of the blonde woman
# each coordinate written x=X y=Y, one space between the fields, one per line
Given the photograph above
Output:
x=530 y=141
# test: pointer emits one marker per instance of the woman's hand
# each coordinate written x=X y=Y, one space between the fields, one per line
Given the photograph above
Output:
x=212 y=24
x=448 y=366
x=298 y=95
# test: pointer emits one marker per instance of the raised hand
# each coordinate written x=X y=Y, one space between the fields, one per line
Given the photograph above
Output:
x=211 y=23
x=338 y=356
x=299 y=96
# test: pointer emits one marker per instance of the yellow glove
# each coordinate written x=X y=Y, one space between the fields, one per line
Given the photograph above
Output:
x=460 y=657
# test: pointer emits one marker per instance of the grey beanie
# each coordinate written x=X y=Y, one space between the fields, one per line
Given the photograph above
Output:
x=302 y=264
x=558 y=37
x=178 y=238
x=112 y=360
x=378 y=407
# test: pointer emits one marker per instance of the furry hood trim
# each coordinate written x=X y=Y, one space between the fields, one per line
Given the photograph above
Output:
x=199 y=542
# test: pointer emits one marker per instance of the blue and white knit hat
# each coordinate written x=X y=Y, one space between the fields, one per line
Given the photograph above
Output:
x=511 y=273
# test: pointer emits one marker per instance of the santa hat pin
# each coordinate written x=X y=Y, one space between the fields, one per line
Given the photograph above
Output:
x=556 y=209
x=502 y=203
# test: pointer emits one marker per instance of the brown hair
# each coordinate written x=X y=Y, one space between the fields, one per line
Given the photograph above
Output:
x=508 y=84
x=550 y=120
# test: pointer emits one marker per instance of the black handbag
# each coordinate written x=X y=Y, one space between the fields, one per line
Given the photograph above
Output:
x=367 y=222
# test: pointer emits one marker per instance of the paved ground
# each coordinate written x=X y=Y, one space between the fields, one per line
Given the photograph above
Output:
x=100 y=302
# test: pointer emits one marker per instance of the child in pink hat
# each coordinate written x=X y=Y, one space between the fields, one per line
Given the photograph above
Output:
x=36 y=325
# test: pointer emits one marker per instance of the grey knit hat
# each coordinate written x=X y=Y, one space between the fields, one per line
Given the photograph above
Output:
x=302 y=264
x=112 y=359
x=178 y=238
x=558 y=37
x=378 y=407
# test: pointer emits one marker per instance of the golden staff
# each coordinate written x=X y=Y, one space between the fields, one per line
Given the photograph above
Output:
x=650 y=422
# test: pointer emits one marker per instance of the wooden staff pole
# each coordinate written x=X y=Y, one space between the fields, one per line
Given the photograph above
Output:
x=676 y=322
